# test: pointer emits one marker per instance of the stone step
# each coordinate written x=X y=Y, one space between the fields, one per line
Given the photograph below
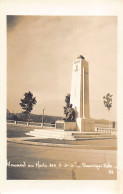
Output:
x=68 y=132
x=90 y=133
x=50 y=133
x=70 y=135
x=45 y=134
x=93 y=136
x=54 y=136
x=49 y=130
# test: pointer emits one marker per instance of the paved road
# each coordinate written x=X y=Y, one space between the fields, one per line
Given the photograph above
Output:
x=55 y=163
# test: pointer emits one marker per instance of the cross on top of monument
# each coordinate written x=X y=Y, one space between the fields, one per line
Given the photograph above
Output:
x=80 y=56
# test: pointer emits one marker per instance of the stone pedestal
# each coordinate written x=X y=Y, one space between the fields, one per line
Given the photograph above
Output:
x=66 y=126
x=85 y=125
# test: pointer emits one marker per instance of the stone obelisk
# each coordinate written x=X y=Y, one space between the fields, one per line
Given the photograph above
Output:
x=80 y=94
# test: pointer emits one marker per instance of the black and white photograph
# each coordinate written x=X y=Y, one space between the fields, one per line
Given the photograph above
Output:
x=61 y=97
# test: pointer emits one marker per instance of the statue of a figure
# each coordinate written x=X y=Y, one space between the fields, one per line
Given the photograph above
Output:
x=70 y=114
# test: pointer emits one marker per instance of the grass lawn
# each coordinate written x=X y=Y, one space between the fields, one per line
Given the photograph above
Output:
x=17 y=130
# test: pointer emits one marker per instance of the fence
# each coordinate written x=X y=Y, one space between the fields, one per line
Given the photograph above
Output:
x=30 y=123
x=106 y=130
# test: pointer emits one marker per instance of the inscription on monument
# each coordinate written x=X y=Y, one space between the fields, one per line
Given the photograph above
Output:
x=76 y=68
x=77 y=61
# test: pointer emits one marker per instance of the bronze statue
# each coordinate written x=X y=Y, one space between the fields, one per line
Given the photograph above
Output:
x=70 y=114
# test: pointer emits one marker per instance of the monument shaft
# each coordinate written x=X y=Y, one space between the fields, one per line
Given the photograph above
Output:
x=80 y=94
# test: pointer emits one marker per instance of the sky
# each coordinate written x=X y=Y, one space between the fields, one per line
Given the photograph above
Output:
x=40 y=55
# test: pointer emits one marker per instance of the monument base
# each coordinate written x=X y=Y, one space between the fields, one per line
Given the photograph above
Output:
x=85 y=125
x=66 y=126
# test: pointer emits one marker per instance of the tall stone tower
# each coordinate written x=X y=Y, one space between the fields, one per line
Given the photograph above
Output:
x=80 y=94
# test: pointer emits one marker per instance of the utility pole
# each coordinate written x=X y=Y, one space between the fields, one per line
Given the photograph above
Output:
x=43 y=117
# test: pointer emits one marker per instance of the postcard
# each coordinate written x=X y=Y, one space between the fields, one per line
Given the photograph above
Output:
x=60 y=99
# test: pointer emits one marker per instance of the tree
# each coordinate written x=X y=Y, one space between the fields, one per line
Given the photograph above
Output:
x=67 y=100
x=108 y=103
x=27 y=103
x=15 y=117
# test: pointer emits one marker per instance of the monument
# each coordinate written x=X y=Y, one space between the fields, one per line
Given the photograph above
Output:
x=80 y=95
x=79 y=99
